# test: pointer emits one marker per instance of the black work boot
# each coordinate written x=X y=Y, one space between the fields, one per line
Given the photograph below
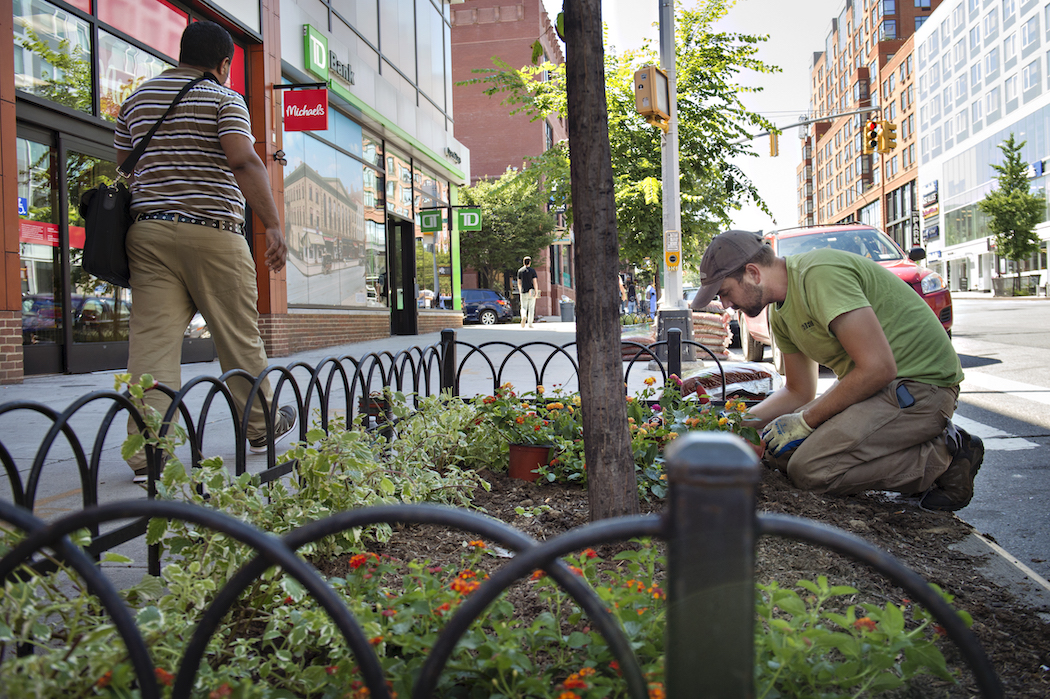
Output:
x=954 y=489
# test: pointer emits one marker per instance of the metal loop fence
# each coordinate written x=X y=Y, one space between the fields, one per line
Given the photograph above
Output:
x=710 y=527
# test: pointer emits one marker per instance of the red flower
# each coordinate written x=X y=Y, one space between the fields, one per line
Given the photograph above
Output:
x=331 y=669
x=224 y=689
x=865 y=624
x=590 y=553
x=576 y=570
x=389 y=612
x=376 y=640
x=288 y=599
x=163 y=676
x=537 y=574
x=616 y=666
x=104 y=681
x=574 y=682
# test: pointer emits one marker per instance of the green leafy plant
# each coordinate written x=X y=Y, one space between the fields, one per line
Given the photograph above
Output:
x=804 y=649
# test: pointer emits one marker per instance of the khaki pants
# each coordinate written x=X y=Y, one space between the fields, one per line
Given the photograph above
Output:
x=178 y=269
x=528 y=307
x=876 y=445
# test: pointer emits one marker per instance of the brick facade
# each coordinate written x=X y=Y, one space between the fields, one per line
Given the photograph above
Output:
x=297 y=332
x=10 y=347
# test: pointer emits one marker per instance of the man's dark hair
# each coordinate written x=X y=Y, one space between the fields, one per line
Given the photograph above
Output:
x=763 y=258
x=205 y=44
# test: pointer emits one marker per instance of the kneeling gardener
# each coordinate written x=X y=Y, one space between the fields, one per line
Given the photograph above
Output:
x=886 y=422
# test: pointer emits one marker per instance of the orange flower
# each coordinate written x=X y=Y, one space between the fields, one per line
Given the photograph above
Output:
x=224 y=689
x=489 y=400
x=163 y=676
x=537 y=574
x=104 y=681
x=576 y=570
x=586 y=672
x=376 y=640
x=568 y=695
x=864 y=624
x=590 y=553
x=520 y=420
x=649 y=381
x=657 y=692
x=477 y=544
x=463 y=586
x=574 y=681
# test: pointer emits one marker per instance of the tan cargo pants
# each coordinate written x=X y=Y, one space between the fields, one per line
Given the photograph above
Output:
x=877 y=445
x=178 y=269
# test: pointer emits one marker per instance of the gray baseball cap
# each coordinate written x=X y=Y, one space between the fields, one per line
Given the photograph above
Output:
x=726 y=253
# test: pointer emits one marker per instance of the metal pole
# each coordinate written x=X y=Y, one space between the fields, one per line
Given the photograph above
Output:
x=672 y=208
x=448 y=361
x=713 y=480
x=674 y=352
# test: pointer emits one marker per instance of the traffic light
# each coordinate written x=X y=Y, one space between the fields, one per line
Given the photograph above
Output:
x=774 y=145
x=887 y=137
x=871 y=137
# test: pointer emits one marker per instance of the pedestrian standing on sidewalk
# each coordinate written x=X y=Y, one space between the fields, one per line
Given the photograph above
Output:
x=186 y=248
x=886 y=423
x=632 y=296
x=527 y=291
x=650 y=297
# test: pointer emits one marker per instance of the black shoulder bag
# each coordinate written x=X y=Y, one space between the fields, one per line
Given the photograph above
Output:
x=106 y=210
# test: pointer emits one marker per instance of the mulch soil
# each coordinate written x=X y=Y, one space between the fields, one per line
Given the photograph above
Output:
x=1014 y=635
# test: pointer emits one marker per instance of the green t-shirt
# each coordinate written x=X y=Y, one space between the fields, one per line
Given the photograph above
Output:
x=824 y=284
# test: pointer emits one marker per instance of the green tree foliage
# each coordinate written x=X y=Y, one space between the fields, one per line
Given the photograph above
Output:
x=714 y=128
x=1012 y=210
x=69 y=83
x=514 y=223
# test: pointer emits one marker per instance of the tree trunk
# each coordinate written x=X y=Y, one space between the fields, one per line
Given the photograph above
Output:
x=612 y=485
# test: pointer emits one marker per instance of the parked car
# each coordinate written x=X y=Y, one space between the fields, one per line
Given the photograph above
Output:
x=485 y=306
x=95 y=319
x=860 y=239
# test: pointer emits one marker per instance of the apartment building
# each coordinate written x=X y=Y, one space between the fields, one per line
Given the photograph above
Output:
x=983 y=74
x=866 y=70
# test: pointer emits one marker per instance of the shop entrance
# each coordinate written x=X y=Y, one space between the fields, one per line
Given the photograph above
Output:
x=72 y=322
x=401 y=254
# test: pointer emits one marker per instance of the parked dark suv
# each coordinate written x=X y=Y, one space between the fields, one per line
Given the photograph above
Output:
x=485 y=306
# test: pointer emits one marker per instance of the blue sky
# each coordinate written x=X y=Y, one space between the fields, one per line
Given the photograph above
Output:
x=795 y=31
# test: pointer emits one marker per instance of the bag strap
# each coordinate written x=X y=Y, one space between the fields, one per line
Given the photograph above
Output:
x=128 y=166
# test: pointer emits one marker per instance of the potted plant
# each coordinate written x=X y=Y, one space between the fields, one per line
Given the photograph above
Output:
x=528 y=434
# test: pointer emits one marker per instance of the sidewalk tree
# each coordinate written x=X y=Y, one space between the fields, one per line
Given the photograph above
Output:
x=612 y=488
x=713 y=130
x=514 y=223
x=1012 y=210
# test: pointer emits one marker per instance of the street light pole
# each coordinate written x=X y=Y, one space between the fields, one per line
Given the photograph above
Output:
x=672 y=210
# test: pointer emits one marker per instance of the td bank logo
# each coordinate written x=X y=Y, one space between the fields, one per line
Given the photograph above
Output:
x=316 y=45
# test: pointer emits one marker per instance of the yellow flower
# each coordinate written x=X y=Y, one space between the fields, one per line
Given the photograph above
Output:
x=672 y=435
x=539 y=390
x=722 y=421
x=643 y=432
x=741 y=406
x=576 y=401
x=650 y=381
x=630 y=420
x=630 y=399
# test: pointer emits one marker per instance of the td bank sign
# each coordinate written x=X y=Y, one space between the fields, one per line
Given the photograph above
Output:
x=322 y=62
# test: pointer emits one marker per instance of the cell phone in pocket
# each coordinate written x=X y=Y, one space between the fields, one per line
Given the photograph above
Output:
x=904 y=397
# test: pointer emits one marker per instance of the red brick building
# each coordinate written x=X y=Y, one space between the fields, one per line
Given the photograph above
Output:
x=505 y=29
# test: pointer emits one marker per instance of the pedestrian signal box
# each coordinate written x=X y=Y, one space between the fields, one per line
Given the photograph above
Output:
x=774 y=145
x=651 y=95
x=871 y=137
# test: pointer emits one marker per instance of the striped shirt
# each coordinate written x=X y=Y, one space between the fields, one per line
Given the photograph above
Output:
x=184 y=168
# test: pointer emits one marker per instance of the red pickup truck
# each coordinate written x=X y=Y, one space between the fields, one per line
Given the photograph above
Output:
x=860 y=239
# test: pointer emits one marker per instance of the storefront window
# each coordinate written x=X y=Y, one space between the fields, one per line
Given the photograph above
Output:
x=38 y=245
x=121 y=69
x=157 y=21
x=433 y=249
x=52 y=54
x=334 y=220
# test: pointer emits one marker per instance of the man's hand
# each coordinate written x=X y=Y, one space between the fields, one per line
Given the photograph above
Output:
x=276 y=250
x=785 y=433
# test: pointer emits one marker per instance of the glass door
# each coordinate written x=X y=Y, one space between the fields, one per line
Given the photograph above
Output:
x=404 y=291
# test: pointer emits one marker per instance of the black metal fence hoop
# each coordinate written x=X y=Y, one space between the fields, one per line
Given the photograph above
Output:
x=324 y=391
x=474 y=349
x=102 y=588
x=541 y=556
x=642 y=351
x=882 y=562
x=195 y=431
x=271 y=548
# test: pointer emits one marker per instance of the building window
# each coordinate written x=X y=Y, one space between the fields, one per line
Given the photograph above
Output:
x=991 y=101
x=976 y=113
x=1030 y=76
x=1029 y=32
x=1009 y=7
x=1010 y=47
x=1011 y=88
x=888 y=30
x=889 y=7
x=991 y=22
x=919 y=21
x=975 y=75
x=975 y=38
x=922 y=4
x=991 y=61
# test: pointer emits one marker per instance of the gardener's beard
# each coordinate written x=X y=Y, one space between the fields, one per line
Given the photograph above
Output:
x=753 y=299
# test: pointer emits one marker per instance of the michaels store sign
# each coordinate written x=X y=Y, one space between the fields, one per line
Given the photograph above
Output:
x=320 y=60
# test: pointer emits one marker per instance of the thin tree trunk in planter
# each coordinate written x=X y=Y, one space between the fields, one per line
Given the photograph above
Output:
x=612 y=486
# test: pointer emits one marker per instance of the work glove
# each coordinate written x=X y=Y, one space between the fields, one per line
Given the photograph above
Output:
x=785 y=433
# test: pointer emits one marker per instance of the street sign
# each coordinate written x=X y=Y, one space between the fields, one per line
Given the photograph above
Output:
x=430 y=221
x=306 y=110
x=468 y=219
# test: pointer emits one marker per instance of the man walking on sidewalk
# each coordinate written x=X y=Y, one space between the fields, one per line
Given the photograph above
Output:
x=187 y=249
x=527 y=291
